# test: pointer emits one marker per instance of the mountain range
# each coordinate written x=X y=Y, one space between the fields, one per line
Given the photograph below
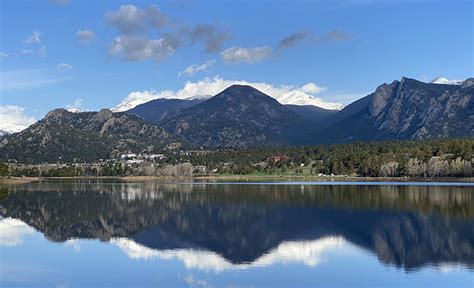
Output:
x=242 y=116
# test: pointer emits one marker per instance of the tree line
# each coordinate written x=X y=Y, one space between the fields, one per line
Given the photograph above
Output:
x=421 y=158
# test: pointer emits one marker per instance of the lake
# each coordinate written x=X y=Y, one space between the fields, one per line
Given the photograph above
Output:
x=89 y=233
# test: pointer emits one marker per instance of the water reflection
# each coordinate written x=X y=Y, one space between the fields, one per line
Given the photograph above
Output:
x=222 y=227
x=12 y=232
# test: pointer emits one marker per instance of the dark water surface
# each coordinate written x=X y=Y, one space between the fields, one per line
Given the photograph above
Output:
x=155 y=234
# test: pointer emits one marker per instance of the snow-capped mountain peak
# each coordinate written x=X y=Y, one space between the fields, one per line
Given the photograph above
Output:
x=125 y=106
x=296 y=97
x=442 y=80
x=285 y=95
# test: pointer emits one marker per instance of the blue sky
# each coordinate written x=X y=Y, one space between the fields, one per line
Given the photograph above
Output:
x=93 y=54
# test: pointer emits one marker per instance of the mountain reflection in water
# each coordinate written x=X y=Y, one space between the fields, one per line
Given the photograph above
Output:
x=220 y=227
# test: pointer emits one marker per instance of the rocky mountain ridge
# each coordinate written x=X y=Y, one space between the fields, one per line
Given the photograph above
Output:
x=85 y=136
x=406 y=109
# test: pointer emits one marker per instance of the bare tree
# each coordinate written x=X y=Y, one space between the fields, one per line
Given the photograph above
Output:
x=416 y=167
x=184 y=170
x=150 y=170
x=389 y=169
x=437 y=167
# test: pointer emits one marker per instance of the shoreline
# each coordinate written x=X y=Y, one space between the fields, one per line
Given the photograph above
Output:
x=339 y=178
x=133 y=179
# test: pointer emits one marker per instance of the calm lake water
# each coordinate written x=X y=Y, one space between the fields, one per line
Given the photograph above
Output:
x=155 y=234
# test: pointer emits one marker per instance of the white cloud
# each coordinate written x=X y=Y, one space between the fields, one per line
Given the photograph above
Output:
x=33 y=38
x=193 y=69
x=42 y=52
x=234 y=55
x=311 y=88
x=76 y=106
x=13 y=118
x=285 y=94
x=3 y=55
x=26 y=52
x=12 y=232
x=85 y=36
x=64 y=66
x=305 y=252
x=135 y=48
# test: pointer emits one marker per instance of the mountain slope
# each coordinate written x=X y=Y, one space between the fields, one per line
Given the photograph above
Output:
x=155 y=110
x=87 y=136
x=313 y=113
x=239 y=116
x=406 y=109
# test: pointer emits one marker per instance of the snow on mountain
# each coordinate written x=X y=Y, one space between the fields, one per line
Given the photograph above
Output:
x=132 y=102
x=296 y=97
x=442 y=80
x=125 y=106
x=284 y=94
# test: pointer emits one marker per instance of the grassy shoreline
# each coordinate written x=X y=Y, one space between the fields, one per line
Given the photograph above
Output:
x=277 y=178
